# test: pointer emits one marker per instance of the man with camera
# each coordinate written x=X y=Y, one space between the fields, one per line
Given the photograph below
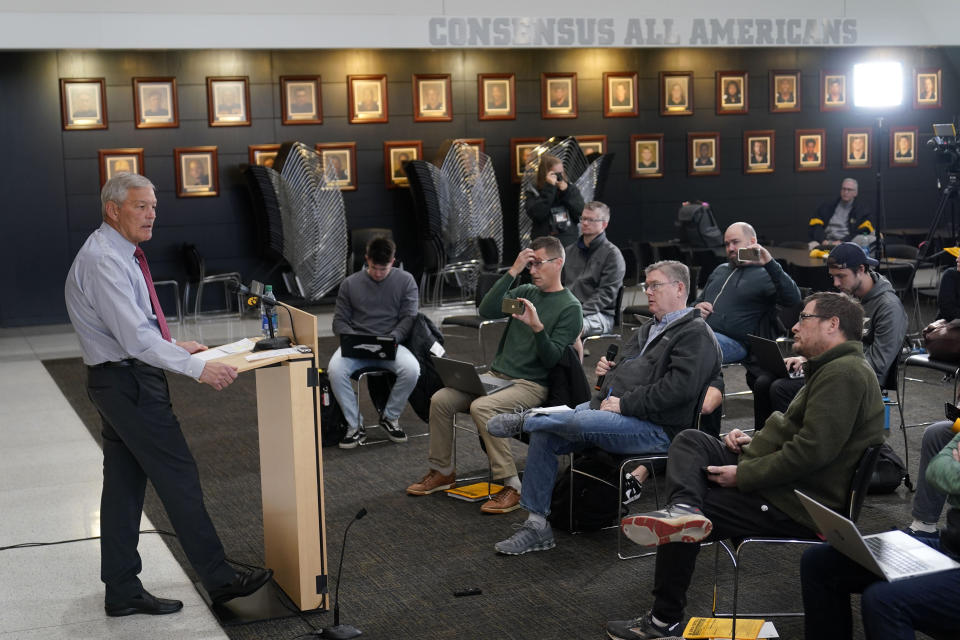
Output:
x=594 y=270
x=554 y=204
x=741 y=295
x=642 y=401
x=546 y=319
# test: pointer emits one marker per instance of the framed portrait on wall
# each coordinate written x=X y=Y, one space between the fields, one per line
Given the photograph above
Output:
x=367 y=98
x=810 y=149
x=703 y=151
x=83 y=103
x=857 y=149
x=676 y=93
x=646 y=155
x=495 y=96
x=396 y=154
x=479 y=144
x=114 y=161
x=592 y=144
x=300 y=100
x=758 y=151
x=927 y=89
x=903 y=146
x=620 y=94
x=262 y=155
x=521 y=152
x=228 y=101
x=785 y=91
x=732 y=92
x=155 y=103
x=339 y=160
x=432 y=98
x=558 y=95
x=833 y=91
x=196 y=171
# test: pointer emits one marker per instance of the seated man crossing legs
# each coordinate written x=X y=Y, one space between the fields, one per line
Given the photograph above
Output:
x=645 y=399
x=743 y=487
x=531 y=345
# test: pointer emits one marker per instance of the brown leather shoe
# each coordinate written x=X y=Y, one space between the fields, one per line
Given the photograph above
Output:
x=505 y=501
x=433 y=481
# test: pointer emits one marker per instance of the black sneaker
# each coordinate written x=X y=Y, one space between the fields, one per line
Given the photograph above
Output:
x=353 y=438
x=642 y=627
x=393 y=430
x=632 y=488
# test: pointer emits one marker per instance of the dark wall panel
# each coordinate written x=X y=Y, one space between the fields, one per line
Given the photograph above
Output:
x=52 y=197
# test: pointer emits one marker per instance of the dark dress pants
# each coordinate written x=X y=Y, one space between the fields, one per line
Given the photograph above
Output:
x=142 y=440
x=734 y=514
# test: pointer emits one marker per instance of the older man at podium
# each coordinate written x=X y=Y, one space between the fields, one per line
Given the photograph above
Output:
x=126 y=346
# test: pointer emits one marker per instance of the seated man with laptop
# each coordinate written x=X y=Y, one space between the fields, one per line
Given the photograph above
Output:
x=375 y=311
x=917 y=592
x=743 y=486
x=544 y=319
x=642 y=401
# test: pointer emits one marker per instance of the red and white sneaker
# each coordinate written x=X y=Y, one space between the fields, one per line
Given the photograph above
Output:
x=676 y=523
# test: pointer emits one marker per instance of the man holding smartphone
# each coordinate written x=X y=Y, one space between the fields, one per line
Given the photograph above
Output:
x=741 y=295
x=533 y=342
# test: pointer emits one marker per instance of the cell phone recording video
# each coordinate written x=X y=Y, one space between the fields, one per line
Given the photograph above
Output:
x=511 y=305
x=747 y=255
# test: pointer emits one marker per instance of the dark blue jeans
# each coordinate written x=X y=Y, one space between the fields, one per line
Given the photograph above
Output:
x=890 y=610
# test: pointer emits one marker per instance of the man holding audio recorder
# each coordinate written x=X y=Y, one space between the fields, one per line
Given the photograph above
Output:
x=544 y=318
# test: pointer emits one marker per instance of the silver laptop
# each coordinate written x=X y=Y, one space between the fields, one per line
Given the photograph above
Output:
x=894 y=555
x=768 y=355
x=463 y=377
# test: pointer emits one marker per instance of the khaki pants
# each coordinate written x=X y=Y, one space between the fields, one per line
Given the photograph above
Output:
x=523 y=394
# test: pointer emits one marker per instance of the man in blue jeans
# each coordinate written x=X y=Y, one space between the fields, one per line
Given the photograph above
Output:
x=645 y=399
x=890 y=610
x=378 y=301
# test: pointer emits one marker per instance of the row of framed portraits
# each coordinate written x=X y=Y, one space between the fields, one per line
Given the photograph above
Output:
x=197 y=174
x=84 y=105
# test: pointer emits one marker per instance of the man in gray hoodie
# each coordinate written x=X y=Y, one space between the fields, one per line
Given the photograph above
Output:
x=886 y=327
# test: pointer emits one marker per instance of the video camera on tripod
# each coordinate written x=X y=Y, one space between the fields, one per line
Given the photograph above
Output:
x=944 y=142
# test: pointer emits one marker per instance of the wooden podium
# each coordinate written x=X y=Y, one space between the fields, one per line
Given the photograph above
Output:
x=291 y=462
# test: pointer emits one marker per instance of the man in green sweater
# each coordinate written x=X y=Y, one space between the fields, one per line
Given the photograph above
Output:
x=743 y=486
x=531 y=345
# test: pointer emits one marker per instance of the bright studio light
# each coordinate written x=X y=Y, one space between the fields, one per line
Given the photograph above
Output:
x=877 y=84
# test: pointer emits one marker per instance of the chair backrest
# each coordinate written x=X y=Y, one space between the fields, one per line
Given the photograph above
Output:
x=694 y=283
x=893 y=372
x=489 y=253
x=618 y=310
x=906 y=251
x=193 y=262
x=485 y=282
x=861 y=481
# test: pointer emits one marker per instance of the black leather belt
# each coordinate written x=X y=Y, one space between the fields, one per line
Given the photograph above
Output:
x=129 y=362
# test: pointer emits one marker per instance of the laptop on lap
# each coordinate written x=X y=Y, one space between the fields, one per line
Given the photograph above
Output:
x=462 y=376
x=893 y=555
x=365 y=347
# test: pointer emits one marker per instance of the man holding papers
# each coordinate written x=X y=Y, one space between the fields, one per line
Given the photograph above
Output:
x=643 y=401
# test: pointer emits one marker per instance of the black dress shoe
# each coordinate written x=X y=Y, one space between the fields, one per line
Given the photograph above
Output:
x=243 y=585
x=143 y=603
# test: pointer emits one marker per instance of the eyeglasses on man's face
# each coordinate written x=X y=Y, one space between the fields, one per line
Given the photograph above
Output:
x=655 y=286
x=806 y=316
x=589 y=219
x=536 y=264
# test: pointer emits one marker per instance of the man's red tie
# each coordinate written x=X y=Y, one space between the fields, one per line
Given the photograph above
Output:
x=162 y=321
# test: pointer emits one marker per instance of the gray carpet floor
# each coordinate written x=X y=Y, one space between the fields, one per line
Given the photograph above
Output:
x=408 y=556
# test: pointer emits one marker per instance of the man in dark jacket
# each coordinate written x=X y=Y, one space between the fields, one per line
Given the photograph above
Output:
x=594 y=270
x=743 y=486
x=644 y=400
x=741 y=297
x=850 y=269
x=842 y=220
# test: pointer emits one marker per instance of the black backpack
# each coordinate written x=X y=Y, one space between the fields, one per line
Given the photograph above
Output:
x=332 y=424
x=595 y=504
x=889 y=472
x=698 y=227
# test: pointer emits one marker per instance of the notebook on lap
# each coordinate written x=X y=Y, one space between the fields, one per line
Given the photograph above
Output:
x=893 y=555
x=768 y=355
x=364 y=347
x=462 y=376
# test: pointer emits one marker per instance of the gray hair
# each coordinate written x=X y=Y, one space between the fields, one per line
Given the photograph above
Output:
x=116 y=188
x=855 y=183
x=675 y=271
x=598 y=208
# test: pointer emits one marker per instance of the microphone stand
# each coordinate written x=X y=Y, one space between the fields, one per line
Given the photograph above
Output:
x=342 y=631
x=274 y=341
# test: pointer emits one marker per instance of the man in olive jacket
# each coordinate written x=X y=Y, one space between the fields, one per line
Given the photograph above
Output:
x=741 y=487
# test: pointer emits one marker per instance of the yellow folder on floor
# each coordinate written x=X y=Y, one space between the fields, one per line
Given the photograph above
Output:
x=474 y=492
x=747 y=628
